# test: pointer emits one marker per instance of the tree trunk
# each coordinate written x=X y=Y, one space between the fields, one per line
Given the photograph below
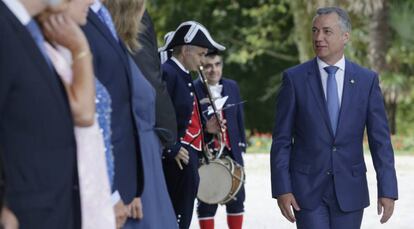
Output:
x=379 y=38
x=379 y=34
x=302 y=31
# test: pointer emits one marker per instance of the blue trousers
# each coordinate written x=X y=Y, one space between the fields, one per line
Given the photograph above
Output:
x=183 y=186
x=328 y=214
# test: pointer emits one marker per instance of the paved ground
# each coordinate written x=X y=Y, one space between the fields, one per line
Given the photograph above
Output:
x=262 y=211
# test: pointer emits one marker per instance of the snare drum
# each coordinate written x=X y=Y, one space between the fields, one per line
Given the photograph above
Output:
x=220 y=181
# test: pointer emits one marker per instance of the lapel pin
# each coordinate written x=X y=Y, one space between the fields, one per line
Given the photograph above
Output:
x=352 y=81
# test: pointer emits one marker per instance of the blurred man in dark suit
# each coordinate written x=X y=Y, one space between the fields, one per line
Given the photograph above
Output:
x=148 y=61
x=37 y=143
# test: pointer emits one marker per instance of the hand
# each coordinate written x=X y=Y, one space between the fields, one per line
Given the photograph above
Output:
x=182 y=156
x=213 y=126
x=8 y=219
x=121 y=213
x=135 y=209
x=386 y=207
x=285 y=202
x=63 y=30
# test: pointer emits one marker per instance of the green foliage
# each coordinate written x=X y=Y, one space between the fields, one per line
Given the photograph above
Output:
x=401 y=21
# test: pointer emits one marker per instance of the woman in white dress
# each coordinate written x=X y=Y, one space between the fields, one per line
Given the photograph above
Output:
x=69 y=54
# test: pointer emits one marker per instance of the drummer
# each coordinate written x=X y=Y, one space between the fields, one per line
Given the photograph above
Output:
x=233 y=137
x=189 y=42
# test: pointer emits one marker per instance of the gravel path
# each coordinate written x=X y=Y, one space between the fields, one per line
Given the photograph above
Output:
x=262 y=211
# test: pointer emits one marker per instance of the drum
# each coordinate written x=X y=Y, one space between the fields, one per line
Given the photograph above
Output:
x=220 y=181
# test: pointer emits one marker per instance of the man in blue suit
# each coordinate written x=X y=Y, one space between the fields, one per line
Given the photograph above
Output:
x=111 y=66
x=317 y=159
x=37 y=143
x=234 y=135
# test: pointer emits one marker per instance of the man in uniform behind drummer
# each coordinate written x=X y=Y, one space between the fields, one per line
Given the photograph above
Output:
x=233 y=136
x=189 y=42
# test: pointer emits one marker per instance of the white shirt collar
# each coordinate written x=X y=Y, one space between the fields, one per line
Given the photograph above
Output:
x=18 y=9
x=96 y=6
x=340 y=64
x=180 y=65
x=339 y=76
x=216 y=90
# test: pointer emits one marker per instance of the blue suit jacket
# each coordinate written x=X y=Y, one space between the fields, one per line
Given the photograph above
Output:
x=37 y=143
x=305 y=152
x=233 y=115
x=111 y=66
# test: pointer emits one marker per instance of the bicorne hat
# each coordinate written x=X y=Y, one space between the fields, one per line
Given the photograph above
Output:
x=191 y=33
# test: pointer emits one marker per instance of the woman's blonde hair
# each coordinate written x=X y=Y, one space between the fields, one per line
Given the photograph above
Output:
x=126 y=15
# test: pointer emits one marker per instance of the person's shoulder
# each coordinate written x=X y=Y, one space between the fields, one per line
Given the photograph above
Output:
x=169 y=67
x=229 y=82
x=303 y=67
x=359 y=70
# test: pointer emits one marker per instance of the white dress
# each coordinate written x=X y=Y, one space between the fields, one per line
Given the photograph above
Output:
x=95 y=193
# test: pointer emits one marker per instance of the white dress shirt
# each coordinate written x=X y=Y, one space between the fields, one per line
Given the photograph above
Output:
x=216 y=90
x=18 y=9
x=339 y=76
x=96 y=6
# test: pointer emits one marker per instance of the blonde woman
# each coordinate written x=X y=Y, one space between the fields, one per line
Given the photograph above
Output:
x=157 y=207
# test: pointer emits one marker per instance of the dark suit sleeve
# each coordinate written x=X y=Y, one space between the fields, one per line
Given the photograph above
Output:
x=240 y=119
x=380 y=143
x=5 y=76
x=4 y=90
x=170 y=78
x=148 y=61
x=2 y=183
x=282 y=138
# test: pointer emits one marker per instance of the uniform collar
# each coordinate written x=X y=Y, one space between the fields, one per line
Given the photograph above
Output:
x=180 y=65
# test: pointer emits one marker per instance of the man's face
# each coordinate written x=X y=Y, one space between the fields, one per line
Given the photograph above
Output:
x=212 y=69
x=193 y=56
x=328 y=38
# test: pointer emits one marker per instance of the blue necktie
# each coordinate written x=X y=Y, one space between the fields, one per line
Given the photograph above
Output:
x=332 y=98
x=37 y=35
x=106 y=18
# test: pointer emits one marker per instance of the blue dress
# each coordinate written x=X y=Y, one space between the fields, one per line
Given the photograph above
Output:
x=103 y=110
x=157 y=206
